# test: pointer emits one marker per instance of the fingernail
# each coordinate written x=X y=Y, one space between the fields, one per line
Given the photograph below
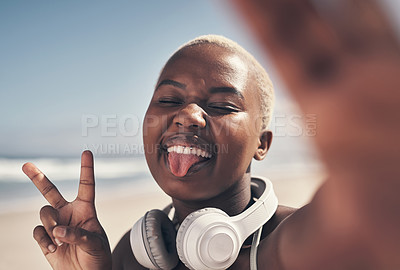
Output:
x=51 y=248
x=60 y=231
x=58 y=242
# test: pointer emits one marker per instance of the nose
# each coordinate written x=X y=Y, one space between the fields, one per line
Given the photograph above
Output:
x=191 y=116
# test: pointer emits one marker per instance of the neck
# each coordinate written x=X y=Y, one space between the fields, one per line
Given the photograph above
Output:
x=232 y=201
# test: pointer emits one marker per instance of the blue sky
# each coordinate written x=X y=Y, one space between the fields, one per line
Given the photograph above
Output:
x=63 y=60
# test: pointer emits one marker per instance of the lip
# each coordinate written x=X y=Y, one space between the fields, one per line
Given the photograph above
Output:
x=188 y=140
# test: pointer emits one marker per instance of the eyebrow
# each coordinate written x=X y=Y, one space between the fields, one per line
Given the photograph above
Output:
x=173 y=83
x=226 y=90
x=213 y=90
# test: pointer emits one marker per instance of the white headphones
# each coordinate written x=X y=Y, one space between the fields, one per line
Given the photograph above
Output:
x=206 y=239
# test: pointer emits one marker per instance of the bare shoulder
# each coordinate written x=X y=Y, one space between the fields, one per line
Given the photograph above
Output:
x=268 y=257
x=282 y=212
x=122 y=255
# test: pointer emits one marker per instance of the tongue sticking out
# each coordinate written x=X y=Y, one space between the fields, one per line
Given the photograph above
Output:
x=181 y=163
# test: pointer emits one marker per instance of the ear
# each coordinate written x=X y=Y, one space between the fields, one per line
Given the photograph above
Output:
x=264 y=144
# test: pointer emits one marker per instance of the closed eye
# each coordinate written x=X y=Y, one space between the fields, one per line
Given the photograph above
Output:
x=169 y=102
x=223 y=107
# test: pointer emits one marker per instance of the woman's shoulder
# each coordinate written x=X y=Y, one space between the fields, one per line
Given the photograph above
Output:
x=268 y=256
x=282 y=212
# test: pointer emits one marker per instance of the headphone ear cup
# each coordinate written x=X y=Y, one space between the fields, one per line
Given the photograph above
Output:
x=182 y=233
x=183 y=229
x=196 y=240
x=153 y=241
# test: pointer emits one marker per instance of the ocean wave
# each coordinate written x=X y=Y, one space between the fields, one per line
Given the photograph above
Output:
x=61 y=169
x=286 y=155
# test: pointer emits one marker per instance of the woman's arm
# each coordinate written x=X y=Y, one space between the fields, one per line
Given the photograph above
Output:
x=341 y=61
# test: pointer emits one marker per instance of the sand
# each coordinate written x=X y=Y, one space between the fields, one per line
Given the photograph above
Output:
x=117 y=213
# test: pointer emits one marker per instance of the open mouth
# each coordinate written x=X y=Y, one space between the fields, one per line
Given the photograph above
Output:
x=185 y=157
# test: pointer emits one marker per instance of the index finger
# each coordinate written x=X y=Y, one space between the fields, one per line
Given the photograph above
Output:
x=44 y=185
x=86 y=184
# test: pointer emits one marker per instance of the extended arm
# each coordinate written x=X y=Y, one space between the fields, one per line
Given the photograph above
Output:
x=341 y=61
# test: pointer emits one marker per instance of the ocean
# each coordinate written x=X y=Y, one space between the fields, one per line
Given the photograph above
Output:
x=290 y=157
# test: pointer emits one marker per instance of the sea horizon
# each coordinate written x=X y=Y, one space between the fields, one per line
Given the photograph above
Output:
x=121 y=175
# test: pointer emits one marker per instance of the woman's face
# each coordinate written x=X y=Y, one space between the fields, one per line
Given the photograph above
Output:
x=202 y=126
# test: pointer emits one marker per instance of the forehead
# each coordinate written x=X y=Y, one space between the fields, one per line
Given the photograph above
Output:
x=208 y=62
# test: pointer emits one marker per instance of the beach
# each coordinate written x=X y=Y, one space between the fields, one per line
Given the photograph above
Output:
x=118 y=209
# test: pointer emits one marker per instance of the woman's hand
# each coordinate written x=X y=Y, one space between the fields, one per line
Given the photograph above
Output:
x=341 y=61
x=71 y=236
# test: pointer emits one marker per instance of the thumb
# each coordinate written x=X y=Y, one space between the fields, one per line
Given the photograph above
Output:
x=89 y=242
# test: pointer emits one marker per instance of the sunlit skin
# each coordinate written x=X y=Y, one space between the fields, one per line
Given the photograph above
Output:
x=71 y=236
x=206 y=92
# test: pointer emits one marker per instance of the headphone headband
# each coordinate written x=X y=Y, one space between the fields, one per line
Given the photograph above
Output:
x=207 y=238
x=261 y=211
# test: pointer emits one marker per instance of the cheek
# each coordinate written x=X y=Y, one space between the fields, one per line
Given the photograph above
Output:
x=237 y=136
x=237 y=129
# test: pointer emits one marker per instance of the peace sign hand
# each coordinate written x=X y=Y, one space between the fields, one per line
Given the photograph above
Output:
x=71 y=236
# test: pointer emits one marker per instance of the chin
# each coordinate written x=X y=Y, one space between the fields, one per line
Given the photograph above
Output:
x=187 y=190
